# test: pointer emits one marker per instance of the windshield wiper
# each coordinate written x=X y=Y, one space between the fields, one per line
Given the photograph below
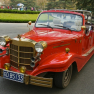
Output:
x=46 y=25
x=64 y=27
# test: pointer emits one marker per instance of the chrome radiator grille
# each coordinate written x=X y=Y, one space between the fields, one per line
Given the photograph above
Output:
x=21 y=53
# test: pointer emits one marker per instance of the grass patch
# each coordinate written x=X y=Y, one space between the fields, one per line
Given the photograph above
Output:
x=10 y=17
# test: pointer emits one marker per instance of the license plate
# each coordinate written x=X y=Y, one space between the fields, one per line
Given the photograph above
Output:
x=18 y=77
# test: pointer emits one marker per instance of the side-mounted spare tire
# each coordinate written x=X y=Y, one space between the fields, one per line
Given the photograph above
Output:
x=62 y=79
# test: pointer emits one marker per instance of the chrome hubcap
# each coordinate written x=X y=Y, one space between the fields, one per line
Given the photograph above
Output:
x=66 y=78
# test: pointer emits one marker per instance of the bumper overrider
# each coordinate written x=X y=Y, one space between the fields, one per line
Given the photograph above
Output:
x=29 y=79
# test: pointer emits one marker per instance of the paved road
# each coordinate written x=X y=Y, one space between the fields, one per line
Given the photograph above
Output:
x=81 y=83
x=13 y=29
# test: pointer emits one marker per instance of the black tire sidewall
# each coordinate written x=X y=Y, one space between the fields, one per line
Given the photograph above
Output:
x=64 y=85
x=59 y=78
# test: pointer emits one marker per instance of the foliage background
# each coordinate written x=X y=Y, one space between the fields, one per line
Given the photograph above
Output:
x=43 y=5
x=56 y=4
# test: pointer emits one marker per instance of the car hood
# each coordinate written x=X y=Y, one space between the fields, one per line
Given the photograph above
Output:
x=49 y=35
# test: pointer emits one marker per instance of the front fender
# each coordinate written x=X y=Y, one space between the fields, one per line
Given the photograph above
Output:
x=3 y=48
x=55 y=63
x=4 y=59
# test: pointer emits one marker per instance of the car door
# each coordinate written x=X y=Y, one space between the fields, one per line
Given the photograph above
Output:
x=87 y=40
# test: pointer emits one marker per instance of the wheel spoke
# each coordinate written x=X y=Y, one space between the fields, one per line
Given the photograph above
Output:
x=66 y=79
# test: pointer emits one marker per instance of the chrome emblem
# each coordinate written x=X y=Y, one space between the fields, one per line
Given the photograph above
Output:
x=19 y=37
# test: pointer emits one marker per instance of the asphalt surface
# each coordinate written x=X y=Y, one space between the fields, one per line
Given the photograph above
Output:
x=81 y=83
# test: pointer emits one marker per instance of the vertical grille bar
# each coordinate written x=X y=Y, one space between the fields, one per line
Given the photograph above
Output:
x=18 y=56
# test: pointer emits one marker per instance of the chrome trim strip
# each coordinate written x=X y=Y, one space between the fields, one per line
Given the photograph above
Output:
x=20 y=51
x=14 y=50
x=3 y=55
x=24 y=64
x=19 y=63
x=13 y=61
x=13 y=55
x=41 y=81
x=19 y=57
x=86 y=54
x=61 y=45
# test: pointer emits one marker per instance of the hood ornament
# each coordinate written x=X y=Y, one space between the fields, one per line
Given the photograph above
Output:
x=19 y=36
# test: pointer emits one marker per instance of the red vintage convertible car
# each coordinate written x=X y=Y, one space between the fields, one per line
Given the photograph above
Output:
x=59 y=42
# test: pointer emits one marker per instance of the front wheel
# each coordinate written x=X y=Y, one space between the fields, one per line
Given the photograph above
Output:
x=62 y=79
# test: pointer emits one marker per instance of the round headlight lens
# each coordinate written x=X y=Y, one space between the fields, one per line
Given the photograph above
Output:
x=38 y=47
x=2 y=41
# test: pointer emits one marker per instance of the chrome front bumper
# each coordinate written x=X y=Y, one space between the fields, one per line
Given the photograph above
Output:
x=35 y=80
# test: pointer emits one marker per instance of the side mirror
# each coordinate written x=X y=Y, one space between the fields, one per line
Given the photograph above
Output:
x=29 y=22
x=83 y=27
x=87 y=31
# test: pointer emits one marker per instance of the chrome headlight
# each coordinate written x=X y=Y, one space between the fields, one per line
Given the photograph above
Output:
x=40 y=46
x=2 y=41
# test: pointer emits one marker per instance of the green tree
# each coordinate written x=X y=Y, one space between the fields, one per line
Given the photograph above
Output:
x=70 y=4
x=15 y=2
x=29 y=3
x=85 y=4
x=61 y=4
x=51 y=4
x=6 y=2
x=42 y=4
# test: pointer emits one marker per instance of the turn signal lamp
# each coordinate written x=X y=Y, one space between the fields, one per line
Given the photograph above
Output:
x=83 y=27
x=22 y=69
x=7 y=66
x=67 y=50
x=29 y=22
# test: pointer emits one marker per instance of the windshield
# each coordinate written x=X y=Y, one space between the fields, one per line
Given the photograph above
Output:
x=87 y=14
x=60 y=20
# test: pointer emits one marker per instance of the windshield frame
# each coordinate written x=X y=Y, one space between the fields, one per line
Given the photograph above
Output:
x=58 y=27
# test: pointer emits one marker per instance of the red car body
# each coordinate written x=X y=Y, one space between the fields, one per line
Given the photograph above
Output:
x=54 y=58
